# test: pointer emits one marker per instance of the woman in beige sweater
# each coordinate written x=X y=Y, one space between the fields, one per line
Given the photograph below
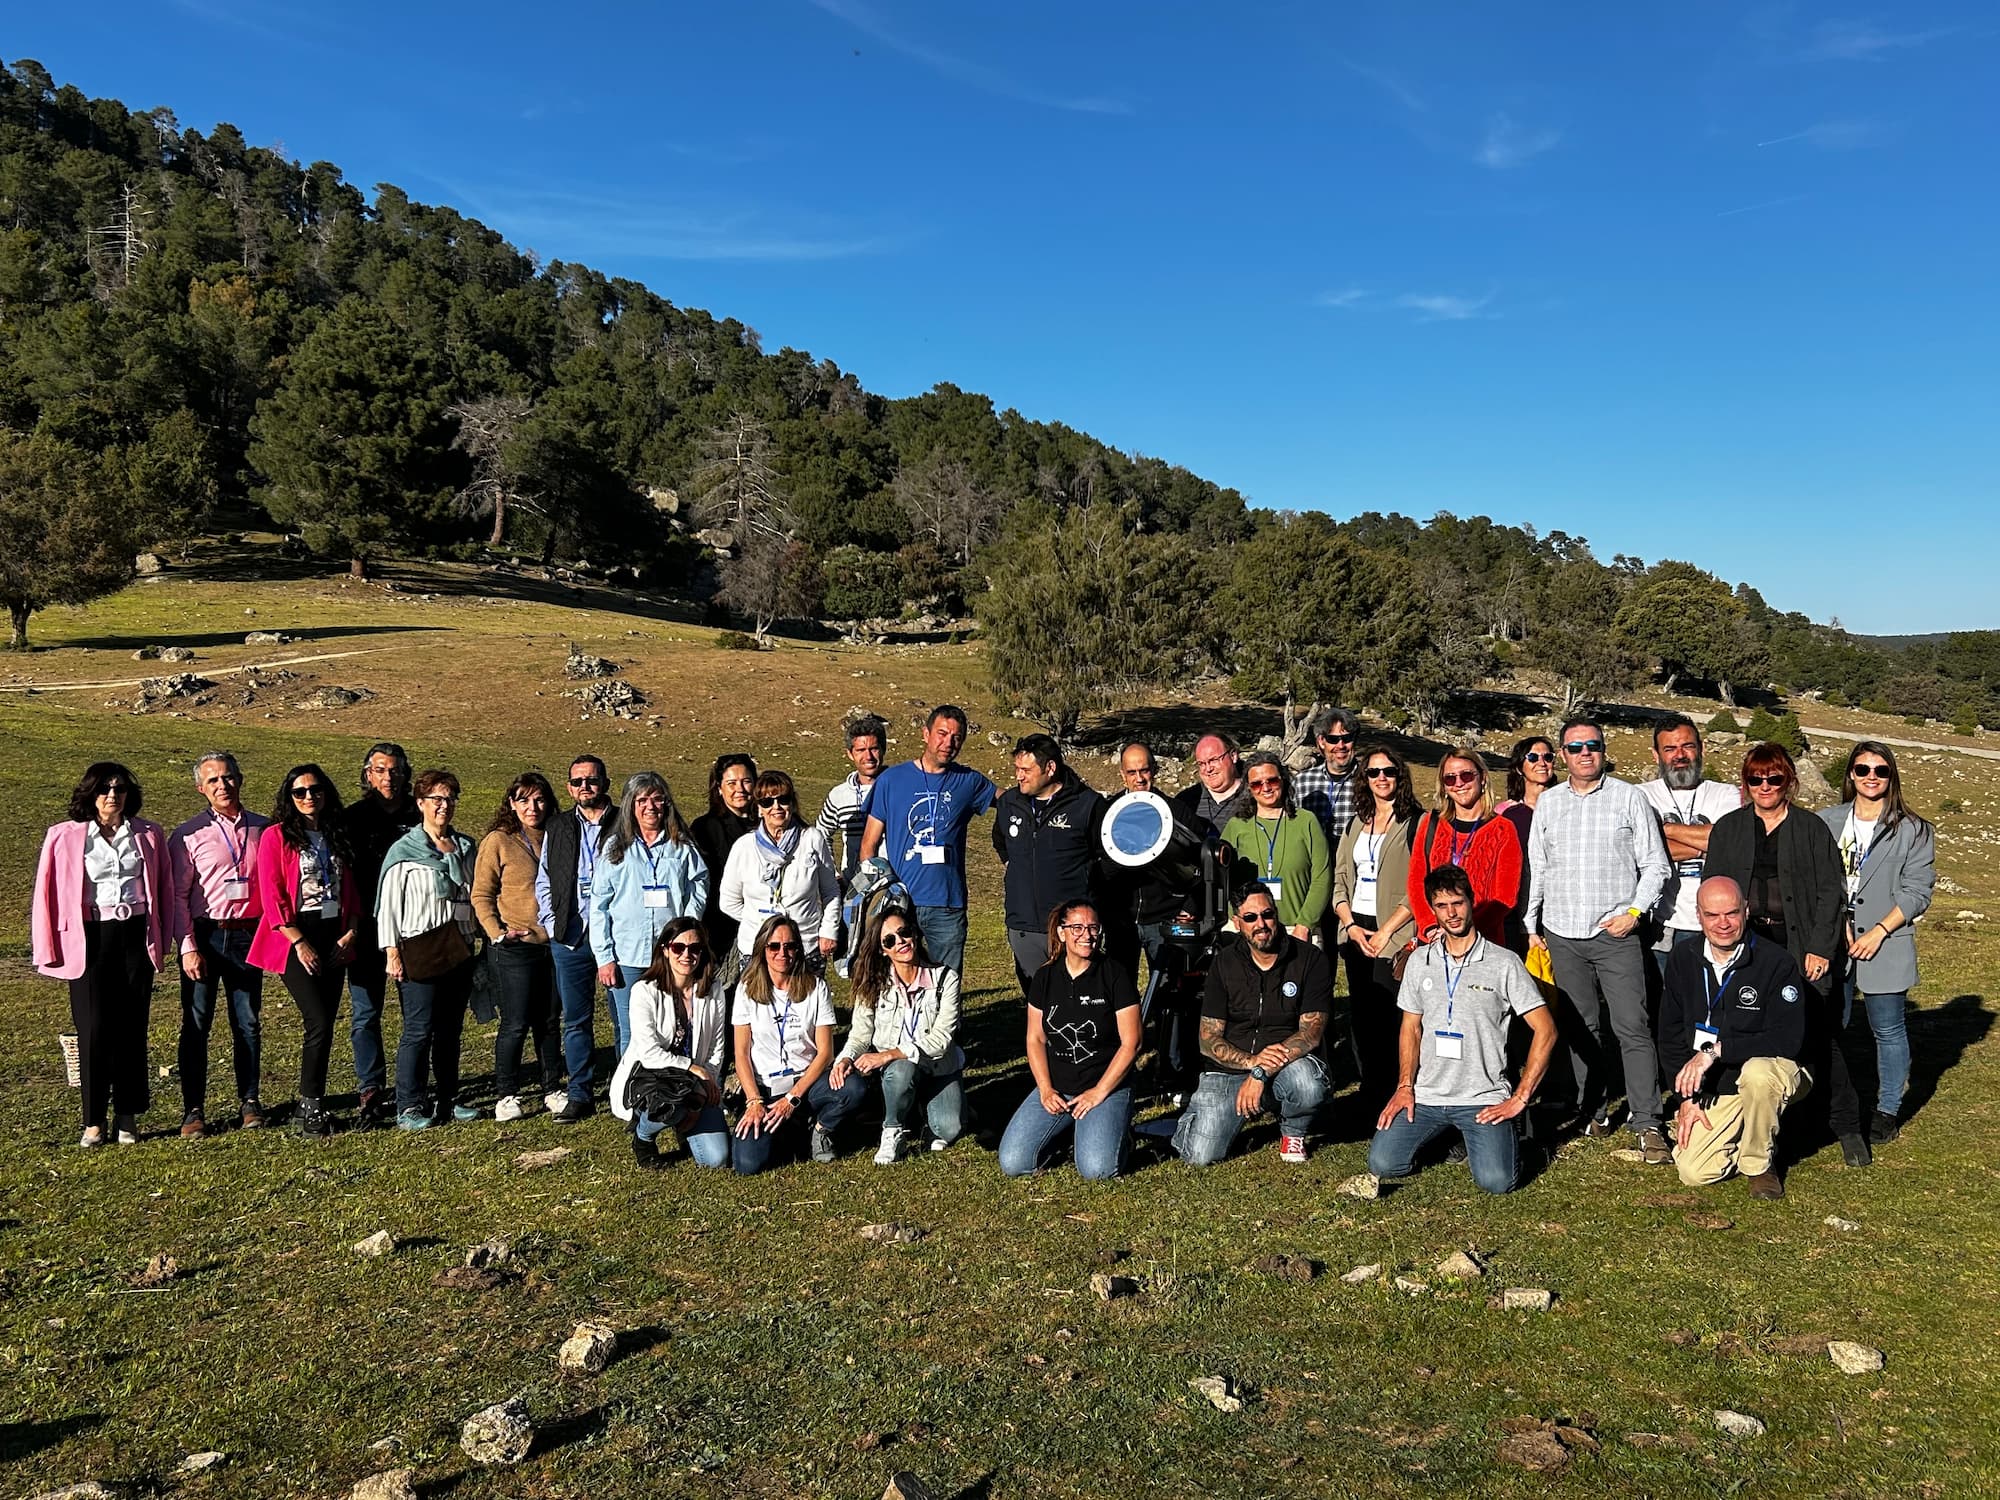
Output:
x=503 y=898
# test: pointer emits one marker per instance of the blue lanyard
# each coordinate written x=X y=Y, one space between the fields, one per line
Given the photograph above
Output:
x=1714 y=987
x=235 y=854
x=782 y=1018
x=652 y=865
x=1271 y=844
x=1460 y=850
x=1451 y=980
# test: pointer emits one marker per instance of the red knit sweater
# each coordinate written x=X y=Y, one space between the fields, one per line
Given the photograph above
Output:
x=1491 y=858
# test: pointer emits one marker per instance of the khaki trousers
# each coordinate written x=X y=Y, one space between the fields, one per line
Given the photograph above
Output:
x=1742 y=1127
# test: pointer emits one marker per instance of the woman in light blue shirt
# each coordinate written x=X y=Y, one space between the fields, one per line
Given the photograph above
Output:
x=648 y=873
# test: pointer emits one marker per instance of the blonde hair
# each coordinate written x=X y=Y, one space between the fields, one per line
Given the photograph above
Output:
x=1445 y=807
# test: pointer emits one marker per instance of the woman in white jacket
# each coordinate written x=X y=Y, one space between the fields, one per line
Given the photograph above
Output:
x=782 y=867
x=680 y=1021
x=905 y=1028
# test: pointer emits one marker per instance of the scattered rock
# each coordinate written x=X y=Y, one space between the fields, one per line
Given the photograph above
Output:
x=581 y=666
x=1629 y=1153
x=491 y=1254
x=1291 y=1267
x=146 y=653
x=904 y=1485
x=1854 y=1359
x=146 y=564
x=1845 y=1226
x=611 y=696
x=501 y=1434
x=160 y=1270
x=1800 y=1345
x=1411 y=1285
x=1362 y=1185
x=90 y=1489
x=267 y=638
x=470 y=1279
x=1540 y=1450
x=1110 y=1288
x=1459 y=1266
x=390 y=1484
x=381 y=1242
x=1682 y=1338
x=1971 y=916
x=1813 y=789
x=534 y=1161
x=201 y=1463
x=1110 y=1257
x=1738 y=1424
x=1527 y=1299
x=155 y=692
x=1220 y=1391
x=1711 y=1221
x=1363 y=1273
x=176 y=653
x=389 y=1444
x=893 y=1234
x=588 y=1350
x=333 y=697
x=716 y=537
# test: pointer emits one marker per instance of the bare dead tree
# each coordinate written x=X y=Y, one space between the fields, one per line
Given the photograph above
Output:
x=486 y=428
x=738 y=489
x=947 y=505
x=122 y=243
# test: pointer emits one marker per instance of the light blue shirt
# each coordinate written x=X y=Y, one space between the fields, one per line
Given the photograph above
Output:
x=623 y=923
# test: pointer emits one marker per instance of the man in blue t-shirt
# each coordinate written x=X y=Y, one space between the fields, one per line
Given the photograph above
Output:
x=917 y=816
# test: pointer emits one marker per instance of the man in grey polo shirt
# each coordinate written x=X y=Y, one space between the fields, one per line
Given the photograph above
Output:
x=1459 y=994
x=1597 y=864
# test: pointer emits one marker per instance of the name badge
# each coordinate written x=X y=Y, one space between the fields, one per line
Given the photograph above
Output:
x=656 y=895
x=236 y=882
x=1450 y=1044
x=583 y=887
x=1708 y=1039
x=931 y=854
x=1367 y=879
x=1275 y=885
x=1689 y=869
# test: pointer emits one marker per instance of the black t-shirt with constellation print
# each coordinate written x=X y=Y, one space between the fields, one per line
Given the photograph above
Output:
x=1080 y=1019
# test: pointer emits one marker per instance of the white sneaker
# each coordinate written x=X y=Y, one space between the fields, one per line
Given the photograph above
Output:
x=554 y=1100
x=93 y=1137
x=939 y=1145
x=509 y=1108
x=126 y=1129
x=891 y=1149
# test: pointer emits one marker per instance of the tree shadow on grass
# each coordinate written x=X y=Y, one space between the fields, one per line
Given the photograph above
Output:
x=19 y=1440
x=213 y=638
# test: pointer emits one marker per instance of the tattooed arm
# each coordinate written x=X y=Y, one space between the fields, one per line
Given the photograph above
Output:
x=1220 y=1052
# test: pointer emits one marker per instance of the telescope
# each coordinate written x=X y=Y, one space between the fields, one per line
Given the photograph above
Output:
x=1140 y=834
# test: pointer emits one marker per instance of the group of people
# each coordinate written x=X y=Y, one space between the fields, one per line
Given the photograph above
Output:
x=1718 y=935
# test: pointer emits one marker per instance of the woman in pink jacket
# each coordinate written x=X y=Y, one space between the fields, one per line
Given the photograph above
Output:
x=100 y=920
x=311 y=909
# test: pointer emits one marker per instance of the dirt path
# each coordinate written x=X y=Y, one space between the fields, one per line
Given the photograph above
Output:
x=1848 y=734
x=261 y=666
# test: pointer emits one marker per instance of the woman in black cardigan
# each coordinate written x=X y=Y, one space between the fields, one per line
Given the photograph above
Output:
x=1788 y=865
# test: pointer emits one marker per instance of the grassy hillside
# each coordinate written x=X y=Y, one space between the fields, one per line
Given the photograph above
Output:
x=768 y=1349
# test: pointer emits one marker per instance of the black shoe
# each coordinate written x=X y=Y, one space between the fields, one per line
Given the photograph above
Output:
x=1884 y=1129
x=313 y=1118
x=1456 y=1153
x=1854 y=1151
x=647 y=1155
x=574 y=1111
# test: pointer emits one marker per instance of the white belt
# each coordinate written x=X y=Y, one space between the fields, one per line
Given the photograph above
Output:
x=118 y=912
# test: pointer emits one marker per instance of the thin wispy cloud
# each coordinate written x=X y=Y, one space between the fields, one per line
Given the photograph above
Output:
x=1352 y=296
x=1838 y=135
x=1438 y=307
x=1386 y=81
x=1863 y=41
x=1508 y=143
x=977 y=75
x=1751 y=208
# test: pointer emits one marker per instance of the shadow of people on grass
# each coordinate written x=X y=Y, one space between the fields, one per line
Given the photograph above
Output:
x=19 y=1440
x=1939 y=1038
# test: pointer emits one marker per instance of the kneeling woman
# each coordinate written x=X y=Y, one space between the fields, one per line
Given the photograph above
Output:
x=905 y=1027
x=1083 y=1037
x=783 y=1020
x=680 y=1025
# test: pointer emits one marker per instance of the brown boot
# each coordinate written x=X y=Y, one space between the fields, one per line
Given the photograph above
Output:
x=1767 y=1185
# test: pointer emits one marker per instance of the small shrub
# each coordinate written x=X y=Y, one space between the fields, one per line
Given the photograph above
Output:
x=1835 y=698
x=1966 y=721
x=735 y=640
x=1951 y=805
x=1783 y=730
x=1915 y=721
x=1874 y=706
x=1724 y=723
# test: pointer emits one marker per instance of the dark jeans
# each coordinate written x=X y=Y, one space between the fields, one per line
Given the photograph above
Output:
x=576 y=990
x=825 y=1106
x=318 y=999
x=367 y=991
x=230 y=972
x=1489 y=1149
x=111 y=1005
x=433 y=1029
x=526 y=979
x=1371 y=1009
x=1833 y=1095
x=943 y=928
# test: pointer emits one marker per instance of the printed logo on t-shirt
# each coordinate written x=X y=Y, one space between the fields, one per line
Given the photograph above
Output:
x=1747 y=997
x=1013 y=828
x=1789 y=994
x=1288 y=989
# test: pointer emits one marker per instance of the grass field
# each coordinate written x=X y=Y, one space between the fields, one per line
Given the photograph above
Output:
x=768 y=1349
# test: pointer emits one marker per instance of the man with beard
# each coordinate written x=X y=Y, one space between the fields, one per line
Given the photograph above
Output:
x=1329 y=789
x=562 y=901
x=1220 y=768
x=1687 y=805
x=1045 y=831
x=384 y=814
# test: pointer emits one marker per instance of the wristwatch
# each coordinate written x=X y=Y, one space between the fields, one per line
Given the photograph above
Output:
x=1259 y=1074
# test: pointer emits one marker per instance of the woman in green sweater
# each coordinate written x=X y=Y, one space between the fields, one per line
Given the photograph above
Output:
x=1277 y=844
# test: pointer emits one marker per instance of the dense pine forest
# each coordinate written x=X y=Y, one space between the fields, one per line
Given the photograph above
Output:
x=196 y=331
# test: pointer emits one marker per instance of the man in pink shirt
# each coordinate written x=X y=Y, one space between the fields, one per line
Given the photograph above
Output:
x=213 y=859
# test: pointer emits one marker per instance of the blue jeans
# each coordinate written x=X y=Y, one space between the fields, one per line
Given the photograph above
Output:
x=904 y=1086
x=1489 y=1149
x=825 y=1106
x=228 y=960
x=433 y=1030
x=576 y=992
x=367 y=991
x=1892 y=1045
x=1209 y=1126
x=620 y=995
x=943 y=928
x=1100 y=1137
x=1676 y=937
x=707 y=1139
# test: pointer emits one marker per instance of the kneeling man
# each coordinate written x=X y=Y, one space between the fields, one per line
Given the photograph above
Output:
x=1459 y=994
x=1262 y=1016
x=1735 y=1009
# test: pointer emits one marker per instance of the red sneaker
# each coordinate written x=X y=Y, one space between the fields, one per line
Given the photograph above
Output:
x=1292 y=1148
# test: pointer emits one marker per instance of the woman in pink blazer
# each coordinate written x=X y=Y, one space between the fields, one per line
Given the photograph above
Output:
x=100 y=920
x=311 y=909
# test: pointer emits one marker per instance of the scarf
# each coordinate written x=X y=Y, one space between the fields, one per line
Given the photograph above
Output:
x=776 y=856
x=452 y=872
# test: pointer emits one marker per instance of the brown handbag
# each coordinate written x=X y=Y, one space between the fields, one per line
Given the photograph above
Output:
x=430 y=954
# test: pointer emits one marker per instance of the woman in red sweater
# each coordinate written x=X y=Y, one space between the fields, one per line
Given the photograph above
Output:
x=1462 y=830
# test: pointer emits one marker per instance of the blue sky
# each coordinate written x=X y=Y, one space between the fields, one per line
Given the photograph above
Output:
x=1707 y=281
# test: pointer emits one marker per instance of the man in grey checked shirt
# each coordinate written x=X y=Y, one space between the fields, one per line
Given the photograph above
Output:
x=1597 y=864
x=1328 y=790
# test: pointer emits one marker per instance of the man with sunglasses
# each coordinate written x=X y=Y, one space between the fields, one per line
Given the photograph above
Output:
x=1688 y=806
x=384 y=812
x=1597 y=865
x=1263 y=1015
x=1330 y=789
x=562 y=898
x=1045 y=830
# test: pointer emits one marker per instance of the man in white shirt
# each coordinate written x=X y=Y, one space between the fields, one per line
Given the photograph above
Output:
x=1688 y=805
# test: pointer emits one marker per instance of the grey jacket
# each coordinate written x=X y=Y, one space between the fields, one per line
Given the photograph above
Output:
x=1901 y=872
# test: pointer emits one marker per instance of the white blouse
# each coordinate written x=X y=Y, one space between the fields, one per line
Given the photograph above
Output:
x=113 y=866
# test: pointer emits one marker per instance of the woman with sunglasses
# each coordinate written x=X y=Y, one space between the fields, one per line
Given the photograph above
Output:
x=783 y=1021
x=102 y=919
x=1531 y=770
x=503 y=898
x=1281 y=847
x=904 y=1030
x=1084 y=1029
x=1371 y=879
x=1461 y=829
x=424 y=905
x=1889 y=859
x=680 y=1021
x=1788 y=865
x=782 y=866
x=311 y=916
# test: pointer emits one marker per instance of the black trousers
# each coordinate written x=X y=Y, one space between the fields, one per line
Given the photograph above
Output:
x=526 y=976
x=111 y=1004
x=317 y=997
x=1378 y=1024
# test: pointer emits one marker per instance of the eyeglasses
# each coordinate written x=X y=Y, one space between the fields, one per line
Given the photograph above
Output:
x=774 y=801
x=1088 y=929
x=1536 y=757
x=1205 y=762
x=586 y=781
x=1336 y=739
x=1765 y=780
x=686 y=950
x=1869 y=773
x=300 y=793
x=442 y=799
x=896 y=939
x=783 y=948
x=1585 y=747
x=1256 y=918
x=1459 y=778
x=1266 y=784
x=1381 y=773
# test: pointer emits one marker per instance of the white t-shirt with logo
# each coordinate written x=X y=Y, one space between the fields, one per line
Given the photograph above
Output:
x=783 y=1034
x=1706 y=804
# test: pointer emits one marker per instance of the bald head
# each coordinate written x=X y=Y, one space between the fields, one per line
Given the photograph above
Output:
x=1215 y=762
x=1720 y=905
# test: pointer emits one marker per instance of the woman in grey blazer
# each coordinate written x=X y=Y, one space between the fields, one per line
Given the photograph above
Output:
x=1889 y=855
